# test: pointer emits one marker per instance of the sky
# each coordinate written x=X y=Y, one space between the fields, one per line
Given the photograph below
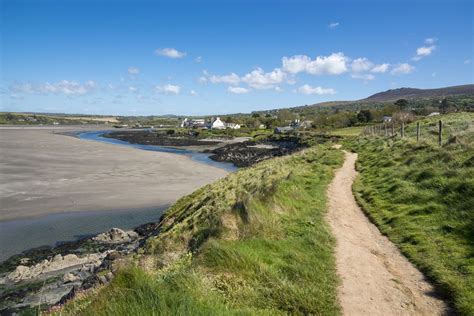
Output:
x=217 y=57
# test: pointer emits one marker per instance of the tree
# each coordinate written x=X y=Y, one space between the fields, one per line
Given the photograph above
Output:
x=365 y=116
x=284 y=115
x=444 y=106
x=255 y=115
x=402 y=104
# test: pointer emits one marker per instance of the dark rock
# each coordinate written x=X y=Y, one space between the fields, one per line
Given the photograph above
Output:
x=159 y=138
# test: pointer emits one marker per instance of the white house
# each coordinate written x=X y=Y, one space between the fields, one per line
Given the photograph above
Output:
x=194 y=123
x=232 y=125
x=433 y=114
x=387 y=119
x=217 y=124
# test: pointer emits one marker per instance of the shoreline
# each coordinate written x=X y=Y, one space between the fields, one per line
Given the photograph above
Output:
x=47 y=173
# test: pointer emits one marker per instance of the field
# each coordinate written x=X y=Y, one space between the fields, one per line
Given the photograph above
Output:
x=421 y=196
x=254 y=242
x=347 y=131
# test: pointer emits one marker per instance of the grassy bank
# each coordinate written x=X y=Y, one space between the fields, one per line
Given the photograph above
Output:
x=254 y=242
x=421 y=196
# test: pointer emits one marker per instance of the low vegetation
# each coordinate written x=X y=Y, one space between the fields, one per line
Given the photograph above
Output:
x=254 y=242
x=421 y=195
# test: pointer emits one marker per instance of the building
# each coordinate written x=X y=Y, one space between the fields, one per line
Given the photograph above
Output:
x=283 y=130
x=232 y=125
x=217 y=124
x=387 y=119
x=196 y=123
x=433 y=114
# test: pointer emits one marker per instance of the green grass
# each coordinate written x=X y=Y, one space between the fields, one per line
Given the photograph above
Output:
x=421 y=196
x=255 y=242
x=348 y=131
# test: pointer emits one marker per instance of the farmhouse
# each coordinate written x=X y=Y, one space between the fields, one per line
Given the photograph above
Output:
x=232 y=125
x=198 y=123
x=217 y=124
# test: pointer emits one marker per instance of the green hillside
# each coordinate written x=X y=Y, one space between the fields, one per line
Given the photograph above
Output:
x=254 y=242
x=421 y=195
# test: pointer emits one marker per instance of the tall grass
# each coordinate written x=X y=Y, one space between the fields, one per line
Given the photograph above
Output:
x=421 y=196
x=254 y=242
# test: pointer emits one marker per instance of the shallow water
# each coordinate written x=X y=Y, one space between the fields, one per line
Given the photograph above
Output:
x=196 y=156
x=22 y=234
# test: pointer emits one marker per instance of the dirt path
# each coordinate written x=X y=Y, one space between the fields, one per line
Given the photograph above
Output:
x=375 y=278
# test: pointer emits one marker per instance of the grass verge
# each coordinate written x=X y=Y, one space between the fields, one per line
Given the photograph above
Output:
x=255 y=242
x=421 y=196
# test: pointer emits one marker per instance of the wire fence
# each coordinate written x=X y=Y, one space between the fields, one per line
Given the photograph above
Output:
x=434 y=130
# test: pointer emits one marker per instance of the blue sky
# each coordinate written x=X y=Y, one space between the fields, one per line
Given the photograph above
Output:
x=203 y=57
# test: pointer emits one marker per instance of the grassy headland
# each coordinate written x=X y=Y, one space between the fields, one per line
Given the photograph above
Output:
x=421 y=196
x=255 y=242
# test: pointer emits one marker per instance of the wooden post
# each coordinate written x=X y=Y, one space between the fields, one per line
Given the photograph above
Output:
x=385 y=129
x=393 y=129
x=440 y=132
x=417 y=131
x=402 y=132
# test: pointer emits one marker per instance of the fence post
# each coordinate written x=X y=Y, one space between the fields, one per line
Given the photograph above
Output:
x=403 y=130
x=393 y=129
x=417 y=131
x=385 y=129
x=440 y=132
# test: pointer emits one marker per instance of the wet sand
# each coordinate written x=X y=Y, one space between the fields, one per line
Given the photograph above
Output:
x=46 y=173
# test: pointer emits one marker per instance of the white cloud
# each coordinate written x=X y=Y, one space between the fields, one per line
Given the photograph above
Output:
x=430 y=41
x=237 y=90
x=361 y=65
x=382 y=68
x=169 y=52
x=333 y=64
x=333 y=25
x=232 y=79
x=133 y=71
x=198 y=59
x=467 y=62
x=295 y=64
x=193 y=93
x=402 y=69
x=132 y=89
x=365 y=77
x=423 y=51
x=259 y=79
x=61 y=87
x=307 y=89
x=168 y=89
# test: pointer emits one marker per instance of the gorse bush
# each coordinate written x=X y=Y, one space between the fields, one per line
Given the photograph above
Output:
x=421 y=196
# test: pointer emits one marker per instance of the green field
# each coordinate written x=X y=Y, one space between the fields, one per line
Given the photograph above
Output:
x=255 y=242
x=421 y=196
x=348 y=131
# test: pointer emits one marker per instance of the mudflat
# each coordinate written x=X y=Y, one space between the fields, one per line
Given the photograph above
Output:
x=43 y=172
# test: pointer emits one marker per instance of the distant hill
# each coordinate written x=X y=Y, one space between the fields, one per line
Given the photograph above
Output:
x=419 y=98
x=412 y=93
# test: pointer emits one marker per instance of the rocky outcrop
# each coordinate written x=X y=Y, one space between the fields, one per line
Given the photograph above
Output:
x=159 y=138
x=57 y=263
x=116 y=236
x=48 y=276
x=249 y=153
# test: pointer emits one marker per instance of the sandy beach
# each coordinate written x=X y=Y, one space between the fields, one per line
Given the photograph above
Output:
x=45 y=173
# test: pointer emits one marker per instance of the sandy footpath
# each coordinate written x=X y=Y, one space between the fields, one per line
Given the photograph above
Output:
x=43 y=173
x=375 y=278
